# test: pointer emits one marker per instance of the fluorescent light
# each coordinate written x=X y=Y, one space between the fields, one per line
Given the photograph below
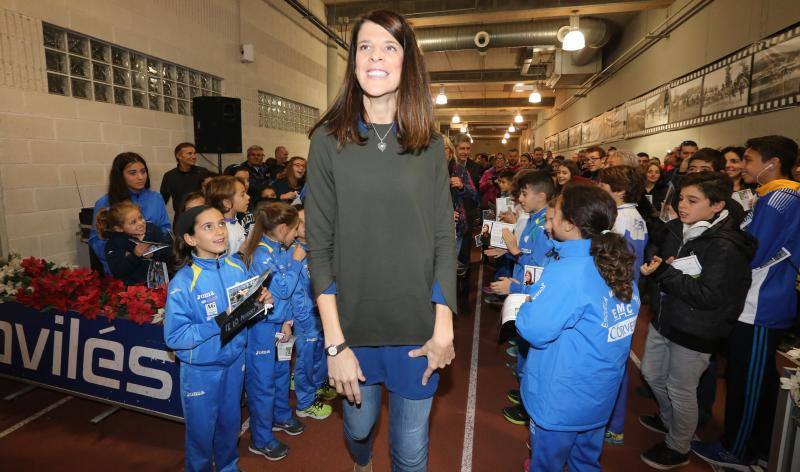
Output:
x=511 y=129
x=518 y=118
x=535 y=96
x=506 y=136
x=441 y=99
x=456 y=119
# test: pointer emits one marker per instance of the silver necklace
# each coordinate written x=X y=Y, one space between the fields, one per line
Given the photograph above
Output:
x=381 y=144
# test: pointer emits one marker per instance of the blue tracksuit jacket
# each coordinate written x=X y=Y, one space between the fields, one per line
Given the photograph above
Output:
x=630 y=224
x=266 y=379
x=211 y=374
x=580 y=335
x=533 y=245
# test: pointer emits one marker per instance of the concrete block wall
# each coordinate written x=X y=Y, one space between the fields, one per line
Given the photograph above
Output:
x=56 y=152
x=723 y=27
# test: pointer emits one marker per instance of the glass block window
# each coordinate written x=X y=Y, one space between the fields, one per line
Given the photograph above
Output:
x=83 y=67
x=284 y=114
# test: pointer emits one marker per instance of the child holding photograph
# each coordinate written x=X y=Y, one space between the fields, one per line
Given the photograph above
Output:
x=124 y=228
x=267 y=379
x=701 y=275
x=579 y=323
x=211 y=374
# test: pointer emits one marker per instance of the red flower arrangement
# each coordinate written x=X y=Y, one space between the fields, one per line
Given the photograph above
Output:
x=86 y=292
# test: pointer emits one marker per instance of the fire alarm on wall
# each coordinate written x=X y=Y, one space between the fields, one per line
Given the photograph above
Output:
x=248 y=53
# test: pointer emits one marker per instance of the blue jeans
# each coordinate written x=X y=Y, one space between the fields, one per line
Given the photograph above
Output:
x=408 y=428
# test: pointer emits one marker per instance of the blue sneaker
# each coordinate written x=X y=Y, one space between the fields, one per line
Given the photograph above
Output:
x=714 y=453
x=274 y=450
x=291 y=427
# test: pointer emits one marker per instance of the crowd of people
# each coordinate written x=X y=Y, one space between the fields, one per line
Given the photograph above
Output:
x=707 y=238
x=710 y=240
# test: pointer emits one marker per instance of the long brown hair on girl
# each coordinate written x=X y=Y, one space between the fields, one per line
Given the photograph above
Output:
x=593 y=211
x=268 y=217
x=414 y=106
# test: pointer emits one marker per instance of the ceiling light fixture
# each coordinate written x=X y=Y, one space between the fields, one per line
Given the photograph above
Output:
x=518 y=118
x=511 y=129
x=504 y=141
x=570 y=36
x=441 y=99
x=535 y=96
x=456 y=119
x=463 y=129
x=506 y=136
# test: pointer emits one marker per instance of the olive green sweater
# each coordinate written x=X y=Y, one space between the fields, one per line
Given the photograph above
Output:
x=380 y=225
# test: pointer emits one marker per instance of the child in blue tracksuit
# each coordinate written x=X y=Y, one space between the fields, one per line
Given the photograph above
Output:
x=311 y=366
x=211 y=373
x=579 y=327
x=266 y=378
x=625 y=185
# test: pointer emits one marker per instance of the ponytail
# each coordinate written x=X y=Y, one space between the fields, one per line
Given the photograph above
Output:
x=593 y=211
x=268 y=216
x=614 y=261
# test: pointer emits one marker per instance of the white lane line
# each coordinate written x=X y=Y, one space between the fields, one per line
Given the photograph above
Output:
x=469 y=424
x=245 y=426
x=34 y=416
x=635 y=359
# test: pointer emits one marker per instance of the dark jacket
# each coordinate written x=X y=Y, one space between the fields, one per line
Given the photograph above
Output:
x=699 y=312
x=127 y=266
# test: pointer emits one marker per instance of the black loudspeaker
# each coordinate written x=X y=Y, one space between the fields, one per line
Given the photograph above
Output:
x=217 y=124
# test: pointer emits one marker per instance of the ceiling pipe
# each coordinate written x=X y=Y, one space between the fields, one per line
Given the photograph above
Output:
x=506 y=35
x=300 y=8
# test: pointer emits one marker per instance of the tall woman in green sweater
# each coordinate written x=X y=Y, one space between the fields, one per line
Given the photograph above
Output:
x=382 y=241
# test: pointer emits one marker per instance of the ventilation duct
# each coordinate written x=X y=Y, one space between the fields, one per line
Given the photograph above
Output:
x=510 y=35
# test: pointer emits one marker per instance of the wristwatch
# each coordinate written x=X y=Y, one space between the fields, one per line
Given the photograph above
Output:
x=333 y=350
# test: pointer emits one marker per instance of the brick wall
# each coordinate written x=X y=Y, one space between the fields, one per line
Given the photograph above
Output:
x=55 y=152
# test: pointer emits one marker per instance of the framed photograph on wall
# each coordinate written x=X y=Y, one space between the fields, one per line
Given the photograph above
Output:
x=727 y=87
x=635 y=111
x=563 y=139
x=776 y=72
x=657 y=109
x=585 y=132
x=575 y=135
x=685 y=99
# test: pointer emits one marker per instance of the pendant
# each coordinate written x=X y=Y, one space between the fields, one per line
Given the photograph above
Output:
x=382 y=146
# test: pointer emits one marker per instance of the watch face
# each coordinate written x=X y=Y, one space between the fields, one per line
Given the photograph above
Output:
x=332 y=350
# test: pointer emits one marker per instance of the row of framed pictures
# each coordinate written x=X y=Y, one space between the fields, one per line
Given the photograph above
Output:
x=762 y=77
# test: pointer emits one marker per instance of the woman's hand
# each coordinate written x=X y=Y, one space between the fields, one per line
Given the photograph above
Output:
x=344 y=374
x=440 y=353
x=299 y=253
x=650 y=267
x=289 y=195
x=265 y=297
x=456 y=182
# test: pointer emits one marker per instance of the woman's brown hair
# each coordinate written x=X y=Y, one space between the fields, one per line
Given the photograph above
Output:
x=414 y=106
x=108 y=218
x=219 y=189
x=269 y=215
x=593 y=211
x=293 y=182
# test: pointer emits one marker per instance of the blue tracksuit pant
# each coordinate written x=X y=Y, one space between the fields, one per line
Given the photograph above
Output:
x=617 y=422
x=579 y=450
x=210 y=397
x=266 y=383
x=310 y=366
